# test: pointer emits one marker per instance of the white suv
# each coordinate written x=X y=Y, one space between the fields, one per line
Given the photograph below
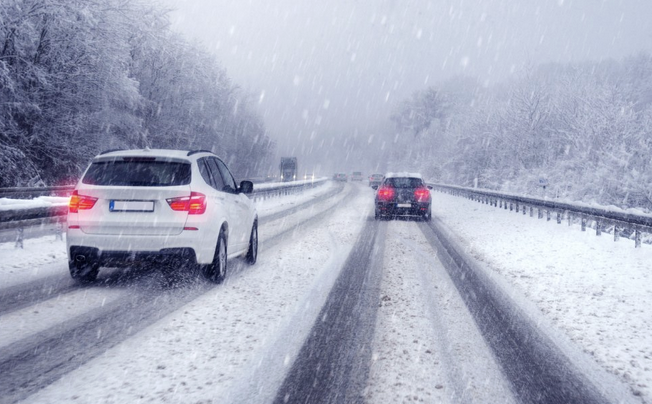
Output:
x=182 y=207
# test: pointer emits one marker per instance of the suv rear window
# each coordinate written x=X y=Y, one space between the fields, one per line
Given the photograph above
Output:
x=403 y=182
x=138 y=173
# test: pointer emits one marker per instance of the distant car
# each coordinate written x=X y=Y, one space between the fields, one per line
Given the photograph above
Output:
x=375 y=179
x=403 y=194
x=340 y=177
x=160 y=205
x=356 y=176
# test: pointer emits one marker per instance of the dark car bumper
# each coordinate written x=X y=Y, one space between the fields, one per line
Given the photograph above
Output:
x=395 y=209
x=129 y=258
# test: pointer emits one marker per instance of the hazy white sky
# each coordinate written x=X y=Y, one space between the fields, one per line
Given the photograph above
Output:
x=323 y=70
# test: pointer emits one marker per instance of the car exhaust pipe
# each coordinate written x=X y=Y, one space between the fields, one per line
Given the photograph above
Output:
x=80 y=258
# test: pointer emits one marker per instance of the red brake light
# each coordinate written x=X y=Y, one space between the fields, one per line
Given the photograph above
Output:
x=422 y=194
x=195 y=204
x=80 y=202
x=386 y=193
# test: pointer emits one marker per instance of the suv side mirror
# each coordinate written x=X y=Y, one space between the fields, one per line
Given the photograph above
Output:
x=374 y=186
x=246 y=187
x=429 y=186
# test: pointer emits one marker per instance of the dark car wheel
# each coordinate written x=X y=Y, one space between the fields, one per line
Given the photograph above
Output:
x=216 y=271
x=84 y=272
x=252 y=253
x=427 y=216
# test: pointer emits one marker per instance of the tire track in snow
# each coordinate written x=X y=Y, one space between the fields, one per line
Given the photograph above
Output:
x=427 y=347
x=333 y=364
x=537 y=370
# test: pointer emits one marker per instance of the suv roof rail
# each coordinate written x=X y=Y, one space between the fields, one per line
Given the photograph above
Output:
x=110 y=151
x=190 y=153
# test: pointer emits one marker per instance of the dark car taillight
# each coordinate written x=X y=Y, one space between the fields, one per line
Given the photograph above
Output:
x=385 y=193
x=80 y=202
x=195 y=204
x=422 y=194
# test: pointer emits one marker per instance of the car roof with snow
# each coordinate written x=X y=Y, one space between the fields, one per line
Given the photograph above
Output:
x=166 y=153
x=403 y=175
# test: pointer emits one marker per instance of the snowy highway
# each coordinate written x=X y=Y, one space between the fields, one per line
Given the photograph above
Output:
x=340 y=308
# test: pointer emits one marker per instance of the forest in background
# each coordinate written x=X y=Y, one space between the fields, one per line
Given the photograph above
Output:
x=584 y=129
x=81 y=76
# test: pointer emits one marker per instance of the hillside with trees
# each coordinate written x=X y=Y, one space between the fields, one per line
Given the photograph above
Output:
x=585 y=129
x=78 y=77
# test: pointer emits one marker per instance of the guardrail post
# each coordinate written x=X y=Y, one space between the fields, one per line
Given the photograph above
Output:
x=637 y=237
x=548 y=215
x=524 y=209
x=511 y=206
x=598 y=227
x=558 y=217
x=539 y=213
x=58 y=232
x=583 y=223
x=616 y=233
x=516 y=207
x=570 y=219
x=531 y=211
x=19 y=238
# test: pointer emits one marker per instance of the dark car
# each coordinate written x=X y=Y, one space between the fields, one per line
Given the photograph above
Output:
x=375 y=180
x=340 y=177
x=403 y=194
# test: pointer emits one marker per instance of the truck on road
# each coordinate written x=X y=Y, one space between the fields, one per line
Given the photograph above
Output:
x=289 y=169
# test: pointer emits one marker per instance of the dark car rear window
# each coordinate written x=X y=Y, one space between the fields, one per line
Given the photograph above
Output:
x=138 y=173
x=403 y=182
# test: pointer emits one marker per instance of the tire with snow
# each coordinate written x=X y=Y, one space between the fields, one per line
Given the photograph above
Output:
x=252 y=253
x=427 y=216
x=216 y=271
x=84 y=272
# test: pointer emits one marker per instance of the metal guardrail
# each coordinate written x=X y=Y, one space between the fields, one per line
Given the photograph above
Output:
x=31 y=192
x=621 y=223
x=288 y=188
x=19 y=218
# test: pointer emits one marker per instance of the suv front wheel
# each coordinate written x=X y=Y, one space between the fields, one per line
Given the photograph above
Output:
x=252 y=253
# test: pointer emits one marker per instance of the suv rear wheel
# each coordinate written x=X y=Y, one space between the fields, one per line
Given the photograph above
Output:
x=83 y=272
x=216 y=271
x=428 y=216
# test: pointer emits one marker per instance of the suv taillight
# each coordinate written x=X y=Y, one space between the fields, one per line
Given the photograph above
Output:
x=80 y=202
x=422 y=194
x=195 y=204
x=385 y=193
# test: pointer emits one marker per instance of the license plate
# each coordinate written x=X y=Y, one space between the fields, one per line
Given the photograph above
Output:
x=403 y=205
x=131 y=206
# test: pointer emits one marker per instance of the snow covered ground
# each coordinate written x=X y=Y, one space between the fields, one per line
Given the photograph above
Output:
x=39 y=202
x=597 y=291
x=235 y=343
